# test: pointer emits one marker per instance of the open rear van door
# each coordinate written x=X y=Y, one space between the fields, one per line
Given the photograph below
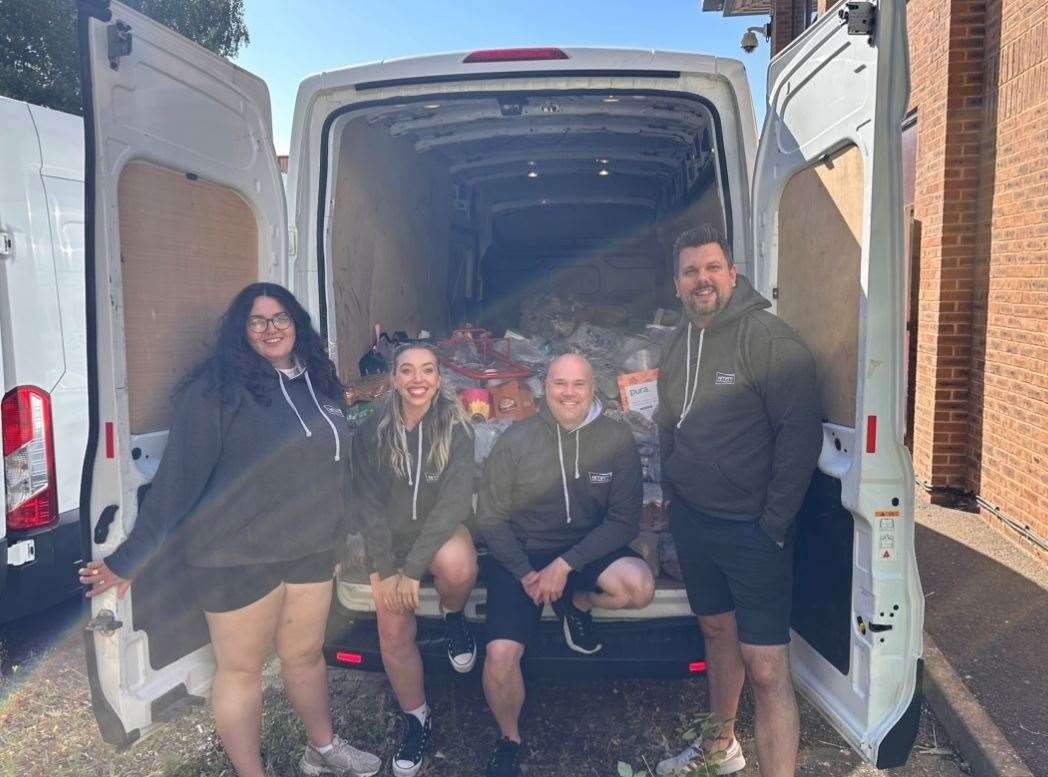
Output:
x=828 y=230
x=184 y=207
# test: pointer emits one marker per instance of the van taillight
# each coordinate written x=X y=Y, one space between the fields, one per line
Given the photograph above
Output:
x=29 y=458
x=514 y=55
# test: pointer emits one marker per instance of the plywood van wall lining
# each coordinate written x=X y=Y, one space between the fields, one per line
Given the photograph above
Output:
x=820 y=246
x=390 y=239
x=187 y=248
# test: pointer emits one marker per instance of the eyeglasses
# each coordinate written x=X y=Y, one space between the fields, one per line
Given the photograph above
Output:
x=260 y=324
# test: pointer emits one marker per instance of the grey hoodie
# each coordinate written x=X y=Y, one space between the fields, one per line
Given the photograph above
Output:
x=747 y=445
x=546 y=488
x=407 y=520
x=246 y=481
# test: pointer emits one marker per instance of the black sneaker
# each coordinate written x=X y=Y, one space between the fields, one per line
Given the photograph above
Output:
x=579 y=631
x=461 y=646
x=505 y=761
x=413 y=742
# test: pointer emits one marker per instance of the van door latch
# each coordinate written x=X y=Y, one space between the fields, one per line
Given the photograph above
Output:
x=104 y=623
x=105 y=520
x=7 y=244
x=118 y=38
x=860 y=18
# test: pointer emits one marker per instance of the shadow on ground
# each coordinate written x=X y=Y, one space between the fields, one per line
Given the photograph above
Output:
x=989 y=621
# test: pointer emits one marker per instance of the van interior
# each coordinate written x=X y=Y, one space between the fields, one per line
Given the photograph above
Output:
x=459 y=209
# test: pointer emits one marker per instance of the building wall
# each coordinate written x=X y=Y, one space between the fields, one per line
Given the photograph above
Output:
x=1007 y=445
x=979 y=88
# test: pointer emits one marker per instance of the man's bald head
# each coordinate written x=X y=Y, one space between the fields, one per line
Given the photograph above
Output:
x=569 y=389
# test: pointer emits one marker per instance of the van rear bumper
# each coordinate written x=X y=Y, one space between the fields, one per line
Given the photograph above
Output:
x=665 y=647
x=51 y=577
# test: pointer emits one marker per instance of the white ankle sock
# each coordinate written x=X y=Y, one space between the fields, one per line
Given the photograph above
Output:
x=326 y=748
x=421 y=713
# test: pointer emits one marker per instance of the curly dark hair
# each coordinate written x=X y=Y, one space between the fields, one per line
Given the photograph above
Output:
x=233 y=364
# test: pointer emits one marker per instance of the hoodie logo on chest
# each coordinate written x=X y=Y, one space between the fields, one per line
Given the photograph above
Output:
x=334 y=411
x=432 y=477
x=724 y=379
x=600 y=478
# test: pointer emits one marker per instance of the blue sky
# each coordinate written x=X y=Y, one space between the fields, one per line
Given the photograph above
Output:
x=291 y=40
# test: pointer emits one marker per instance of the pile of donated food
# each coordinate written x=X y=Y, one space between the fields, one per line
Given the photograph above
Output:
x=499 y=380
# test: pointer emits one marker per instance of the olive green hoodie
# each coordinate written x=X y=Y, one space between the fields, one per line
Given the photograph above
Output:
x=747 y=445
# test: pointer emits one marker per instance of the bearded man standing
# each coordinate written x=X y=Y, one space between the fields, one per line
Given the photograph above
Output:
x=740 y=432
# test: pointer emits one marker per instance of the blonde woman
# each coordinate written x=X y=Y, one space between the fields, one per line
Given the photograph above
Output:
x=413 y=477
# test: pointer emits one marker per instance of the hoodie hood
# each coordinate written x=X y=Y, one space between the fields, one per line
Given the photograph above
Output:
x=744 y=300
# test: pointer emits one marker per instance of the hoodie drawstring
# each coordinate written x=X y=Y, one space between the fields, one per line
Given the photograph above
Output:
x=564 y=475
x=688 y=384
x=418 y=471
x=298 y=415
x=577 y=454
x=334 y=431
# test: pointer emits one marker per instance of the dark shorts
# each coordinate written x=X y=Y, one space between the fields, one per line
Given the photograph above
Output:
x=510 y=613
x=223 y=589
x=735 y=565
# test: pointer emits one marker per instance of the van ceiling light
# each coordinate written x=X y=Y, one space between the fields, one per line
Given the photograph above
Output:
x=611 y=99
x=431 y=106
x=514 y=55
x=603 y=172
x=533 y=173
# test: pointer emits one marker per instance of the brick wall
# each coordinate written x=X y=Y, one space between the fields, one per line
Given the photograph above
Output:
x=1007 y=448
x=979 y=76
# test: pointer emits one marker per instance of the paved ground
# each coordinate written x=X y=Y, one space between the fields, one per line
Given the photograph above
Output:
x=46 y=726
x=986 y=605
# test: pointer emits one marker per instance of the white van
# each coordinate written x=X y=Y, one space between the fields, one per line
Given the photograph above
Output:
x=428 y=191
x=43 y=363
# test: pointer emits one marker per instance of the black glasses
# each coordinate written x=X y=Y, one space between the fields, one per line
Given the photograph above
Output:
x=260 y=324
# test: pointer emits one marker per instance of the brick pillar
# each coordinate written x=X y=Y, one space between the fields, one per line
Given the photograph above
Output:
x=946 y=46
x=787 y=22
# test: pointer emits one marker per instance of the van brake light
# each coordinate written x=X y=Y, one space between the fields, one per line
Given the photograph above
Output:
x=29 y=458
x=514 y=55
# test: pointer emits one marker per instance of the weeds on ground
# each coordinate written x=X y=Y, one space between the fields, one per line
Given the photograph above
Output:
x=704 y=729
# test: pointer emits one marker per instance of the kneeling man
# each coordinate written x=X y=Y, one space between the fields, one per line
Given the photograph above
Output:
x=559 y=502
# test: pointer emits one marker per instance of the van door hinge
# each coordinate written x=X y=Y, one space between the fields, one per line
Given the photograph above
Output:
x=118 y=36
x=860 y=18
x=7 y=244
x=104 y=623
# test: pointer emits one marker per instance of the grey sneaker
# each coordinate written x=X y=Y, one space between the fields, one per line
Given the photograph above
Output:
x=343 y=759
x=689 y=759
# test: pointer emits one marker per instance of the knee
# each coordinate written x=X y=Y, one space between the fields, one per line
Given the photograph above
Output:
x=718 y=627
x=242 y=669
x=767 y=672
x=502 y=657
x=458 y=571
x=300 y=655
x=641 y=589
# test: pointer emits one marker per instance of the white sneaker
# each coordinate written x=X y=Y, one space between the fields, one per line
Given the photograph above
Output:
x=726 y=761
x=342 y=759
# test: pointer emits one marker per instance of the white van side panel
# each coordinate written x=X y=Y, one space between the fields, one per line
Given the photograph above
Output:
x=29 y=314
x=62 y=177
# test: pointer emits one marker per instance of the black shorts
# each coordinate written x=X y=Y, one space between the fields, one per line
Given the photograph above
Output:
x=510 y=612
x=734 y=565
x=223 y=589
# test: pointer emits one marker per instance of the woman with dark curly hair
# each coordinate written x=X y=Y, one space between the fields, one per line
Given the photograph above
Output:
x=253 y=484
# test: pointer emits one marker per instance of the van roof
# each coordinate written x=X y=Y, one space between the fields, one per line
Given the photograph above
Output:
x=578 y=58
